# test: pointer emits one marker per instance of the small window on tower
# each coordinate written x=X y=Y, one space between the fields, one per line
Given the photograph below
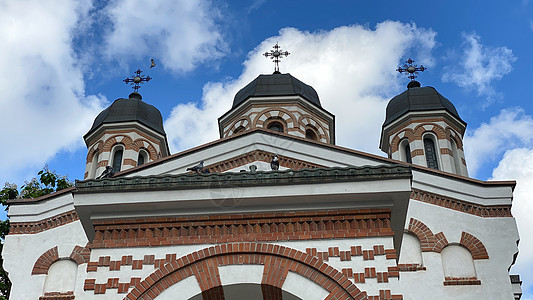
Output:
x=117 y=158
x=142 y=158
x=275 y=126
x=239 y=129
x=431 y=154
x=311 y=134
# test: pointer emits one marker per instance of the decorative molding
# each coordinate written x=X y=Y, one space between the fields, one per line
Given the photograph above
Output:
x=46 y=224
x=58 y=296
x=428 y=240
x=475 y=246
x=44 y=261
x=462 y=206
x=461 y=281
x=244 y=227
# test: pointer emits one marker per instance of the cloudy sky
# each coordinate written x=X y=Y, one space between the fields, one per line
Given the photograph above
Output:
x=62 y=62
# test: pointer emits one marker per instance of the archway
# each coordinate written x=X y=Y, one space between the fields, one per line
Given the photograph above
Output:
x=276 y=262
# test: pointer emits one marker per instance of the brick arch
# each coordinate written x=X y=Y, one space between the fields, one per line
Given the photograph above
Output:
x=278 y=261
x=284 y=114
x=238 y=123
x=409 y=134
x=112 y=141
x=304 y=120
x=474 y=245
x=93 y=150
x=139 y=143
x=428 y=240
x=452 y=134
x=79 y=255
x=436 y=129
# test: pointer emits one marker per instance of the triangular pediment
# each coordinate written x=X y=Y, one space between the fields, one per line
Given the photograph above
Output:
x=257 y=147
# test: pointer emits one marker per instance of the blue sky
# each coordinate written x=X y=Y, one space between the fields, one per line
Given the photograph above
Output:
x=63 y=62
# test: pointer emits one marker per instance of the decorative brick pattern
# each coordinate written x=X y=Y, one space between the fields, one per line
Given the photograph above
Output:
x=339 y=286
x=244 y=227
x=80 y=255
x=428 y=241
x=476 y=247
x=411 y=267
x=461 y=281
x=462 y=206
x=44 y=261
x=40 y=226
x=58 y=296
x=259 y=155
x=346 y=255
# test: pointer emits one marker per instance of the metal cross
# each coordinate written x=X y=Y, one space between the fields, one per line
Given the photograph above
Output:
x=137 y=79
x=276 y=56
x=410 y=69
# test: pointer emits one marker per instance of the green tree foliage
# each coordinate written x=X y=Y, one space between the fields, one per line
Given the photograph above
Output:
x=45 y=183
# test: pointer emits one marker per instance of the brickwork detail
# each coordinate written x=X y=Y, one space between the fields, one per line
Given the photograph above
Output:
x=428 y=240
x=243 y=227
x=461 y=281
x=354 y=251
x=44 y=261
x=411 y=267
x=475 y=246
x=49 y=223
x=81 y=255
x=339 y=286
x=462 y=206
x=259 y=155
x=58 y=296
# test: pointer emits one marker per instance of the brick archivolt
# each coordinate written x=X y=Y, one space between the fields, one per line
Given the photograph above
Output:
x=282 y=113
x=277 y=262
x=79 y=254
x=244 y=121
x=437 y=242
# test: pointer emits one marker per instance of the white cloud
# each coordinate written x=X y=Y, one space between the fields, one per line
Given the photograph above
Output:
x=179 y=34
x=517 y=164
x=351 y=67
x=43 y=104
x=481 y=65
x=511 y=128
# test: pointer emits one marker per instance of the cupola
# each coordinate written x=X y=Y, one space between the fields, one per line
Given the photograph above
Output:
x=126 y=134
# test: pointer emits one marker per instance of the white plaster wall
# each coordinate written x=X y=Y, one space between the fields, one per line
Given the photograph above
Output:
x=21 y=251
x=499 y=235
x=61 y=276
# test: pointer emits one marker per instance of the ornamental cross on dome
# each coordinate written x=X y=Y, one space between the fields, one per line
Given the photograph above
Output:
x=136 y=80
x=410 y=69
x=276 y=56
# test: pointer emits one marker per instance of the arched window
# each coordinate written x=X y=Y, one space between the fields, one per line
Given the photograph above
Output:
x=405 y=150
x=275 y=126
x=311 y=134
x=61 y=276
x=457 y=262
x=142 y=158
x=118 y=152
x=239 y=129
x=430 y=152
x=411 y=253
x=456 y=158
x=94 y=165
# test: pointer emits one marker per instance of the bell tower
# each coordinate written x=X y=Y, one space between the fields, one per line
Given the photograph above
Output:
x=423 y=127
x=127 y=134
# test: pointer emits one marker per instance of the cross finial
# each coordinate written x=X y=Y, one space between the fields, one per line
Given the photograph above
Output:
x=276 y=56
x=136 y=80
x=410 y=69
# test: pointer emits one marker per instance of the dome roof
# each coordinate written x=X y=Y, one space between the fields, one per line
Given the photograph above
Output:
x=276 y=85
x=417 y=98
x=128 y=110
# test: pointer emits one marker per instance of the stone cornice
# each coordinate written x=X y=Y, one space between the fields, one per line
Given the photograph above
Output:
x=242 y=179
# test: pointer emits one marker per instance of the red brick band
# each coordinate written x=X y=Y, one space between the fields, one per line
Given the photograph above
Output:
x=40 y=226
x=462 y=206
x=245 y=227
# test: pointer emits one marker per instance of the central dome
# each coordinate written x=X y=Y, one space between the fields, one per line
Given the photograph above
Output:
x=276 y=85
x=128 y=110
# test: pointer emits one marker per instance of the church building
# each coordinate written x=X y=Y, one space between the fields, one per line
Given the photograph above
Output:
x=273 y=209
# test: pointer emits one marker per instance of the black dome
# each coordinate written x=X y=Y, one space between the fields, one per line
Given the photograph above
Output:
x=418 y=98
x=276 y=85
x=128 y=110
